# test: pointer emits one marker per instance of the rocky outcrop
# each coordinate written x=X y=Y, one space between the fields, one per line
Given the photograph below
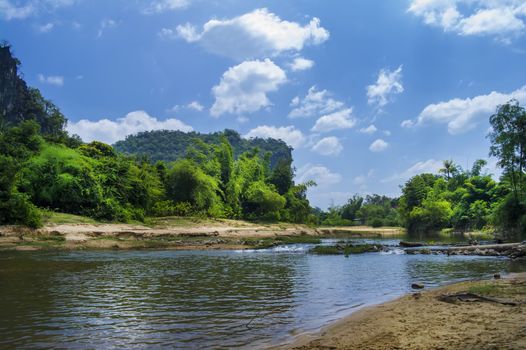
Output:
x=512 y=250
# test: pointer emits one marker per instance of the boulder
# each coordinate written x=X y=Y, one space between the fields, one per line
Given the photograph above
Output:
x=417 y=285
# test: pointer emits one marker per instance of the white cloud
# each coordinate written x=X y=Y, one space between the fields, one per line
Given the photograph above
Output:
x=315 y=103
x=106 y=24
x=371 y=129
x=185 y=31
x=319 y=174
x=161 y=6
x=56 y=80
x=243 y=88
x=194 y=105
x=13 y=10
x=461 y=115
x=242 y=119
x=429 y=166
x=301 y=63
x=328 y=146
x=388 y=83
x=408 y=123
x=46 y=28
x=335 y=121
x=378 y=145
x=503 y=19
x=110 y=131
x=255 y=34
x=289 y=134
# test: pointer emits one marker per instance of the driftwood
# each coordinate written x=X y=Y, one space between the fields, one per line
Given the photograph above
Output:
x=472 y=297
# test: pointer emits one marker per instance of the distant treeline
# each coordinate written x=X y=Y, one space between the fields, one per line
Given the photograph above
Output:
x=462 y=200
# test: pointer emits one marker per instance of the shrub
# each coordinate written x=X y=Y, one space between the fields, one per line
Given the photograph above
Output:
x=376 y=222
x=169 y=208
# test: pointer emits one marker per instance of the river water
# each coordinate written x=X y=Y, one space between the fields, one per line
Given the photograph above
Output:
x=200 y=299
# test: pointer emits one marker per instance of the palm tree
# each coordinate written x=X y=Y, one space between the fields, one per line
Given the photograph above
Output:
x=448 y=169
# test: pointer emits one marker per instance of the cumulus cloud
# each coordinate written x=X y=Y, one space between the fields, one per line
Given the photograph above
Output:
x=56 y=80
x=461 y=115
x=335 y=121
x=161 y=6
x=19 y=10
x=315 y=103
x=328 y=146
x=428 y=166
x=110 y=131
x=387 y=84
x=243 y=88
x=301 y=63
x=289 y=134
x=378 y=145
x=371 y=129
x=503 y=19
x=255 y=34
x=319 y=174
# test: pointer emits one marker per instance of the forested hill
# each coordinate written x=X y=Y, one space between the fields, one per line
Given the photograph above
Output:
x=19 y=102
x=172 y=145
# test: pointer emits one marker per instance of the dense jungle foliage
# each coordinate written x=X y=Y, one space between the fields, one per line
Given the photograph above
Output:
x=164 y=173
x=41 y=166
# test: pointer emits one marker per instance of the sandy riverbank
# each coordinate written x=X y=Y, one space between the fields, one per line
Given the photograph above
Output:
x=171 y=234
x=424 y=322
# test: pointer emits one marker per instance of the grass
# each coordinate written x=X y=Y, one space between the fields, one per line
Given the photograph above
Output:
x=269 y=242
x=485 y=289
x=298 y=239
x=449 y=234
x=499 y=288
x=51 y=217
x=58 y=239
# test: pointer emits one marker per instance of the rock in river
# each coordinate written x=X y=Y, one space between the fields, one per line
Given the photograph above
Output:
x=417 y=285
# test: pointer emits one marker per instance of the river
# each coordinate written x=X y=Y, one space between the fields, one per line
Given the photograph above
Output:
x=200 y=299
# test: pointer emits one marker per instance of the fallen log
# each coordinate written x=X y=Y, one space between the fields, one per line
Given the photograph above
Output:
x=472 y=297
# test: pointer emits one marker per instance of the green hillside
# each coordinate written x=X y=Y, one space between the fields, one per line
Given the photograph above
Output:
x=173 y=145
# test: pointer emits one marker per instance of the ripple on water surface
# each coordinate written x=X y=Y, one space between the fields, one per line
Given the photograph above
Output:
x=201 y=299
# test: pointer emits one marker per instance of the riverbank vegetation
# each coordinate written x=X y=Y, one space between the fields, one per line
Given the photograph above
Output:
x=42 y=167
x=456 y=199
x=44 y=170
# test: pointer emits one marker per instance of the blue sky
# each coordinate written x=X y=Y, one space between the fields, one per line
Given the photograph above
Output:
x=368 y=93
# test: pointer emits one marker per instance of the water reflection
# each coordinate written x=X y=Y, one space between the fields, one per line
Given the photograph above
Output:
x=201 y=299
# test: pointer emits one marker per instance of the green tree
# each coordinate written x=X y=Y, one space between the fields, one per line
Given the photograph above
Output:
x=186 y=182
x=508 y=144
x=350 y=209
x=449 y=168
x=282 y=176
